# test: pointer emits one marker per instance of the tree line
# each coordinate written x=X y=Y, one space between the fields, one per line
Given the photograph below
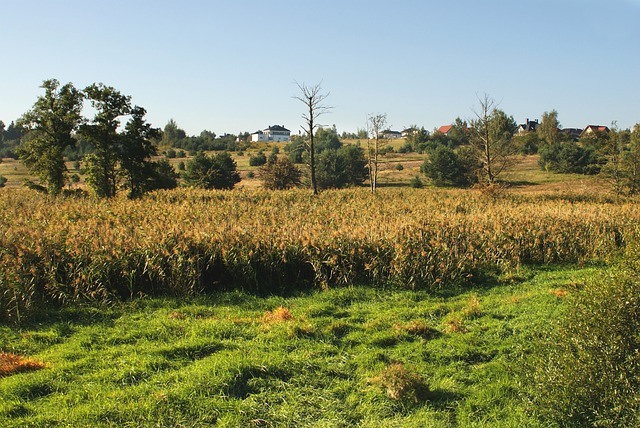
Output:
x=118 y=156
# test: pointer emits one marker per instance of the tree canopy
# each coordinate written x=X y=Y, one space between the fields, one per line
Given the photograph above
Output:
x=51 y=125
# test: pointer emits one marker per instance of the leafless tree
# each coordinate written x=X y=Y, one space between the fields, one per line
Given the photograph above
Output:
x=312 y=98
x=492 y=140
x=375 y=124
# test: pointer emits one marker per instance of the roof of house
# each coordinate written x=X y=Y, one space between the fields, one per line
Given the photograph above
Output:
x=597 y=128
x=278 y=128
x=529 y=125
x=444 y=129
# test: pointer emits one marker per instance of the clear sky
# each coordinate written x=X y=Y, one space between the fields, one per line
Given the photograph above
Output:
x=231 y=66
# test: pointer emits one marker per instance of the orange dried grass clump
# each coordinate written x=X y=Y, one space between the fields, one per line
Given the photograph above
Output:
x=279 y=314
x=558 y=292
x=12 y=364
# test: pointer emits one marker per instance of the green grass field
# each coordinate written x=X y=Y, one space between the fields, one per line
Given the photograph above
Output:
x=353 y=356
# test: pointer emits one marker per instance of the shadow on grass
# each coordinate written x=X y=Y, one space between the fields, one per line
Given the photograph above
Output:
x=442 y=399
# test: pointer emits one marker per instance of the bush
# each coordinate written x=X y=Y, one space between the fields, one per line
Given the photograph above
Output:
x=258 y=160
x=212 y=172
x=161 y=176
x=341 y=168
x=3 y=181
x=416 y=183
x=588 y=373
x=279 y=174
x=445 y=168
x=569 y=158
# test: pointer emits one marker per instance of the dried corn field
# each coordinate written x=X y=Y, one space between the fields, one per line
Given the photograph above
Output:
x=184 y=242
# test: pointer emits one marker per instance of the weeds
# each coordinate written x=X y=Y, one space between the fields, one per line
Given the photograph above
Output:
x=186 y=242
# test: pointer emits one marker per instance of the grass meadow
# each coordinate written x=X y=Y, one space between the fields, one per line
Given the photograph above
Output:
x=351 y=356
x=248 y=308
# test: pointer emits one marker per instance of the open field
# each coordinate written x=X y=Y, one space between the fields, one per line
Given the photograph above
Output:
x=355 y=356
x=412 y=307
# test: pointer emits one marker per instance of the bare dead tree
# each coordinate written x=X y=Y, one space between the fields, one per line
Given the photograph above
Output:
x=312 y=98
x=375 y=124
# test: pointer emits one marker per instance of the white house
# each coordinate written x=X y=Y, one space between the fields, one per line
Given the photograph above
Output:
x=275 y=133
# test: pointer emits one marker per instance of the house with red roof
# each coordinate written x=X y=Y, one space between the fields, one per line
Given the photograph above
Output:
x=589 y=129
x=445 y=129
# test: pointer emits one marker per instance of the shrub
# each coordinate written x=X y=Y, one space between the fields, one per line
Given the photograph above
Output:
x=341 y=168
x=445 y=168
x=569 y=158
x=280 y=174
x=212 y=172
x=416 y=183
x=258 y=160
x=3 y=181
x=588 y=373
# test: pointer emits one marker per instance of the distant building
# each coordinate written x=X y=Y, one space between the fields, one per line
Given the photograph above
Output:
x=574 y=133
x=589 y=129
x=408 y=132
x=445 y=129
x=527 y=126
x=391 y=134
x=275 y=133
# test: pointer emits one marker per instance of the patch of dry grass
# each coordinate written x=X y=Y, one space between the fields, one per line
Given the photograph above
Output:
x=11 y=364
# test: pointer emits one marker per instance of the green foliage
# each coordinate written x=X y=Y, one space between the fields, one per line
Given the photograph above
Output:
x=528 y=143
x=569 y=157
x=491 y=137
x=258 y=159
x=548 y=130
x=295 y=149
x=445 y=168
x=352 y=356
x=327 y=139
x=622 y=152
x=345 y=167
x=102 y=133
x=159 y=175
x=211 y=172
x=587 y=371
x=135 y=153
x=417 y=141
x=279 y=174
x=3 y=181
x=172 y=134
x=51 y=125
x=416 y=182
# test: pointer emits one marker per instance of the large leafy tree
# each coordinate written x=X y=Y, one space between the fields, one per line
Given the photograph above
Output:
x=212 y=172
x=491 y=136
x=136 y=150
x=102 y=133
x=51 y=125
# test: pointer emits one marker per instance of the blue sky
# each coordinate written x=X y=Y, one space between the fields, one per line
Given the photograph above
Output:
x=231 y=66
